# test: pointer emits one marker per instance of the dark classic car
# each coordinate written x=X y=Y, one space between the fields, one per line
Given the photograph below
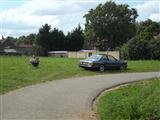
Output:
x=103 y=62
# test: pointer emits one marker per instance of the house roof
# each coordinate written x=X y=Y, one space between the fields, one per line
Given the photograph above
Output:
x=57 y=52
x=87 y=51
x=24 y=46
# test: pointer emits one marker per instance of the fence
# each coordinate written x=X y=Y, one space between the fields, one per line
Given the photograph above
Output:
x=87 y=54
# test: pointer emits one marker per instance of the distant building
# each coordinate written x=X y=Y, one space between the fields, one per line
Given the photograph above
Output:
x=58 y=53
x=8 y=47
x=6 y=44
x=81 y=53
x=25 y=49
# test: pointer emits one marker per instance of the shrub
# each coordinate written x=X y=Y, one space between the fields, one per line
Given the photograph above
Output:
x=155 y=49
x=142 y=46
x=124 y=54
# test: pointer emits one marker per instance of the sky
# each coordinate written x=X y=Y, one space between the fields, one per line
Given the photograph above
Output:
x=22 y=17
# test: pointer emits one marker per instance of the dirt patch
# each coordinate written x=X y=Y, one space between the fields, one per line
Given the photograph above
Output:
x=90 y=116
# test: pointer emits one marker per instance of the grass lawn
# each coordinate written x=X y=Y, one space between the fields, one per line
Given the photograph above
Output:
x=137 y=101
x=16 y=72
x=143 y=66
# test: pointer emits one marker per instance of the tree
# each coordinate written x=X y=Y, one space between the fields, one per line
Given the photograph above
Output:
x=10 y=38
x=110 y=25
x=44 y=37
x=31 y=38
x=155 y=49
x=144 y=45
x=58 y=40
x=21 y=40
x=27 y=40
x=149 y=26
x=139 y=47
x=75 y=39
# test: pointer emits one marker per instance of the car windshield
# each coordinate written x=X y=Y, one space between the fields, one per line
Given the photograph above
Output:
x=94 y=57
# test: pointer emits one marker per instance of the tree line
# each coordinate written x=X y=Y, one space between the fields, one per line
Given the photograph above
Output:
x=49 y=39
x=55 y=40
x=109 y=26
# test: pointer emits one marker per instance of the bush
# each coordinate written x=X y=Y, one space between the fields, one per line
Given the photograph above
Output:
x=124 y=54
x=142 y=46
x=155 y=49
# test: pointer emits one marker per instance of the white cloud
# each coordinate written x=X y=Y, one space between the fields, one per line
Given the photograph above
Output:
x=149 y=9
x=30 y=16
x=62 y=14
x=155 y=17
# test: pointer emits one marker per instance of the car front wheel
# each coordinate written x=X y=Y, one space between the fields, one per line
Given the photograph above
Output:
x=101 y=68
x=122 y=67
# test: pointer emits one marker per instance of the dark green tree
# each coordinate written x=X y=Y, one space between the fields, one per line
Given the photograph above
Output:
x=145 y=44
x=44 y=37
x=31 y=38
x=155 y=49
x=58 y=40
x=139 y=47
x=149 y=26
x=110 y=25
x=75 y=39
x=10 y=38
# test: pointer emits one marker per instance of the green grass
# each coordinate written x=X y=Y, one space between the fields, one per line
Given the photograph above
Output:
x=143 y=66
x=137 y=101
x=16 y=72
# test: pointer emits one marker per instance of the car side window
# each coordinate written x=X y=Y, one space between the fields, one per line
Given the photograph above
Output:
x=110 y=58
x=104 y=58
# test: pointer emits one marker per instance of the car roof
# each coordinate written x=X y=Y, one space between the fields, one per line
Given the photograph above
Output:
x=106 y=55
x=97 y=55
x=103 y=54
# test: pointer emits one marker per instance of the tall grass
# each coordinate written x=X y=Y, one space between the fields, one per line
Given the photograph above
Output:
x=139 y=101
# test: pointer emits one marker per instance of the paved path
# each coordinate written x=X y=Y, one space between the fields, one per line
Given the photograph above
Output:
x=66 y=99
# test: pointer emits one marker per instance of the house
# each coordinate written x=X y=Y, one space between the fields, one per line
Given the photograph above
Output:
x=6 y=44
x=7 y=47
x=25 y=49
x=58 y=53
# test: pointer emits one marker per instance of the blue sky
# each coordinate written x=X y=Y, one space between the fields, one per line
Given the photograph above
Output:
x=22 y=17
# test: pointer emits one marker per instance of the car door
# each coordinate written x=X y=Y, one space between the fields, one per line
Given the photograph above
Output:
x=113 y=62
x=105 y=62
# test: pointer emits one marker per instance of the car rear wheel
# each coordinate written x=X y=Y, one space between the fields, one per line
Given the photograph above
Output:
x=101 y=68
x=122 y=67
